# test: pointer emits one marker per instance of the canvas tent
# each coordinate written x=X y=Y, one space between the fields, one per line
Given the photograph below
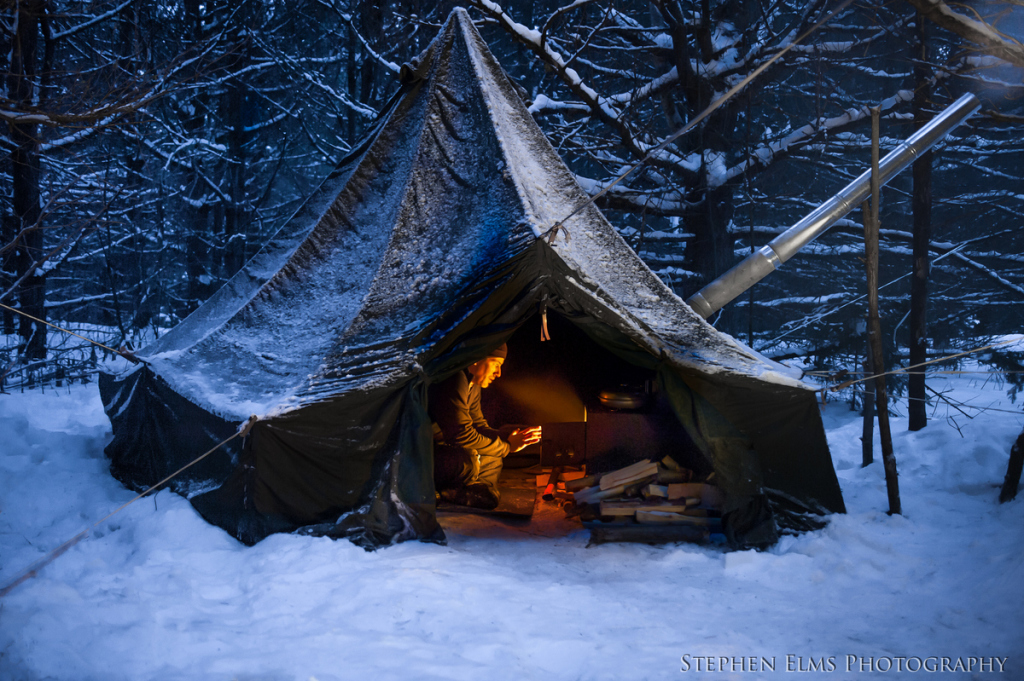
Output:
x=420 y=252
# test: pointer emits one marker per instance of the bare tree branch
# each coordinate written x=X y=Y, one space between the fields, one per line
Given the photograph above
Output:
x=978 y=32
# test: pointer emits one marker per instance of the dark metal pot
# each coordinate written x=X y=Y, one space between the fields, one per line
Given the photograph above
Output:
x=623 y=399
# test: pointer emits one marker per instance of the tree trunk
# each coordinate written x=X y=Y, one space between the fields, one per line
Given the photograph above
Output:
x=8 y=232
x=1013 y=470
x=22 y=88
x=130 y=266
x=237 y=111
x=710 y=252
x=198 y=243
x=922 y=207
x=371 y=18
x=875 y=327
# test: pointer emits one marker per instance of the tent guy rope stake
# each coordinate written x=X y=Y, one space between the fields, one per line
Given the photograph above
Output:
x=34 y=569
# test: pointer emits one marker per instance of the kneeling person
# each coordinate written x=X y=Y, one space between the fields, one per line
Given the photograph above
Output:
x=468 y=453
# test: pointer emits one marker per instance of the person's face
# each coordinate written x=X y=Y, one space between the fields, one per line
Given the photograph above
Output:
x=486 y=370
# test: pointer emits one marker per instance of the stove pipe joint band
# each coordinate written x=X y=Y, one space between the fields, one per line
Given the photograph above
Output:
x=751 y=270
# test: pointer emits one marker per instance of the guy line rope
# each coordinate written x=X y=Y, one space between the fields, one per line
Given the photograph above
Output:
x=904 y=370
x=123 y=352
x=34 y=569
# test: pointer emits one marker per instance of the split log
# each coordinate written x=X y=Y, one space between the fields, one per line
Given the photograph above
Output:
x=710 y=496
x=698 y=512
x=632 y=506
x=663 y=517
x=629 y=474
x=669 y=463
x=634 y=489
x=659 y=491
x=581 y=483
x=592 y=495
x=667 y=477
x=566 y=477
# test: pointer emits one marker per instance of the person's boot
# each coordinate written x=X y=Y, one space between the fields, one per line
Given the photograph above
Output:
x=451 y=495
x=475 y=494
x=480 y=495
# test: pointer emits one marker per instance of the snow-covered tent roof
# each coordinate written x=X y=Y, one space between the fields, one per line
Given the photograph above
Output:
x=361 y=273
x=424 y=243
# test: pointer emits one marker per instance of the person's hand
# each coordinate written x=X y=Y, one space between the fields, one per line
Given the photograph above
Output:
x=523 y=437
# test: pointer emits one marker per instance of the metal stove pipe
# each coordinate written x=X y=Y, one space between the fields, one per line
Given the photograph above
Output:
x=769 y=258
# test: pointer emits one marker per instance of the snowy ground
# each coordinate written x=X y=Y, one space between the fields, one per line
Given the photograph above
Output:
x=156 y=593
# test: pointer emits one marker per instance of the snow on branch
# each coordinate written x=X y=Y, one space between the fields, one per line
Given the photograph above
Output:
x=380 y=59
x=363 y=110
x=652 y=88
x=294 y=64
x=764 y=154
x=78 y=136
x=128 y=102
x=91 y=22
x=942 y=248
x=656 y=203
x=978 y=32
x=58 y=253
x=846 y=46
x=542 y=104
x=989 y=273
x=170 y=160
x=587 y=41
x=77 y=302
x=602 y=108
x=556 y=15
x=267 y=123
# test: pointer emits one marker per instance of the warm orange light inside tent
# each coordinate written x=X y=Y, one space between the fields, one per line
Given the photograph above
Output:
x=544 y=399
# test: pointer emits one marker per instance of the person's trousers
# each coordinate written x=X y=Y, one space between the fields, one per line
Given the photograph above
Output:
x=457 y=467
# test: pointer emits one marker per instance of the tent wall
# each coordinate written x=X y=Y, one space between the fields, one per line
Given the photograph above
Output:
x=157 y=431
x=422 y=252
x=785 y=427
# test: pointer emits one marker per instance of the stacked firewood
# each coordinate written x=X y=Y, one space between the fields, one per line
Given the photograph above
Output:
x=649 y=493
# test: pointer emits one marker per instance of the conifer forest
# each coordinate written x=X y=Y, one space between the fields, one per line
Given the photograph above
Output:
x=151 y=148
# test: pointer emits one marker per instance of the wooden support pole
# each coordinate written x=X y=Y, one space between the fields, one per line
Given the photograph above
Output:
x=875 y=325
x=1013 y=470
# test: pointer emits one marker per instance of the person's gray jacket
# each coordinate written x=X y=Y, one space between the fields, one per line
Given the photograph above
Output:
x=454 y=407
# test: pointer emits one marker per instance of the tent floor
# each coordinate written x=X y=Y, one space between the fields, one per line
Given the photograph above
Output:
x=513 y=518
